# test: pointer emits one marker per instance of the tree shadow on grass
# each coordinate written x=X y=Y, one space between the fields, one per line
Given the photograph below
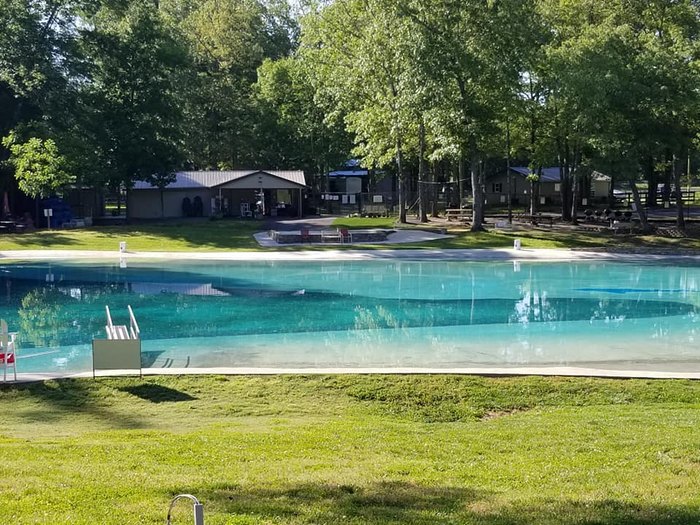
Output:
x=415 y=504
x=378 y=503
x=52 y=239
x=598 y=512
x=156 y=393
x=62 y=399
x=219 y=235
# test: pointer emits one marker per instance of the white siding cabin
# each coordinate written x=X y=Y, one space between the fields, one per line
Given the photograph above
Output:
x=236 y=193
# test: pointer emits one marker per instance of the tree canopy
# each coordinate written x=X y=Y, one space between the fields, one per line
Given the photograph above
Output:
x=430 y=91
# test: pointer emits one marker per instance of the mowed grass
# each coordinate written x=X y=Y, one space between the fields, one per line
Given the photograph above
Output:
x=231 y=235
x=175 y=235
x=537 y=237
x=352 y=449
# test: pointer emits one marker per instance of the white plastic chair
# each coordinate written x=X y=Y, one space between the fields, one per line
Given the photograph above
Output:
x=8 y=358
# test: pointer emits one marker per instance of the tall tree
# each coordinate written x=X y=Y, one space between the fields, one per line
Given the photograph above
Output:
x=228 y=41
x=299 y=133
x=474 y=48
x=359 y=48
x=134 y=119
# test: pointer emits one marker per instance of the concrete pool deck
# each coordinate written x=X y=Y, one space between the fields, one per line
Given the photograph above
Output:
x=613 y=370
x=561 y=371
x=425 y=254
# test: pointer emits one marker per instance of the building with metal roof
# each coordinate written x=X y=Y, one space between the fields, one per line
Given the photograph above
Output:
x=547 y=188
x=234 y=193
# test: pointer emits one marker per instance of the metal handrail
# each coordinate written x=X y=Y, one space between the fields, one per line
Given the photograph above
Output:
x=198 y=509
x=110 y=326
x=135 y=331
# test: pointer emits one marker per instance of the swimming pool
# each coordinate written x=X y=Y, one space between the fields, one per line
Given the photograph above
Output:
x=360 y=315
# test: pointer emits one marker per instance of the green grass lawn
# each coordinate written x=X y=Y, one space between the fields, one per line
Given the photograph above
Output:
x=229 y=235
x=167 y=236
x=532 y=238
x=352 y=449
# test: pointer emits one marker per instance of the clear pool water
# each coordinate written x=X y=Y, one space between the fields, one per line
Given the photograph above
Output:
x=368 y=314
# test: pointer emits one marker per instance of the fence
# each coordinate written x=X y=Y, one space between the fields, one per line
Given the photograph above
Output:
x=360 y=203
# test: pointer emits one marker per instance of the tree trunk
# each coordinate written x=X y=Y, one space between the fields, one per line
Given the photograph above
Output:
x=509 y=175
x=576 y=182
x=639 y=208
x=565 y=180
x=534 y=191
x=483 y=192
x=401 y=182
x=652 y=190
x=680 y=219
x=478 y=197
x=433 y=190
x=574 y=198
x=422 y=201
x=461 y=177
x=611 y=194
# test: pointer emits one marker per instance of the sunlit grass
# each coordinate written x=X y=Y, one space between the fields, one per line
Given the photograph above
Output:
x=351 y=449
x=202 y=235
x=230 y=235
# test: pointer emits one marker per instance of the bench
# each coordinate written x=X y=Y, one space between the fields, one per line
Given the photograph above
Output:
x=460 y=214
x=536 y=219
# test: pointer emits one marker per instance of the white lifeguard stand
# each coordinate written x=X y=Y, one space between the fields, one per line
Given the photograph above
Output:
x=121 y=351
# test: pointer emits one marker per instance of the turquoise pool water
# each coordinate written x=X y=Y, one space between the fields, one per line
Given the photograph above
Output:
x=368 y=314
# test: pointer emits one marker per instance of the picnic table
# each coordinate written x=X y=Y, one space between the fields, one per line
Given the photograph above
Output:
x=460 y=214
x=375 y=210
x=7 y=226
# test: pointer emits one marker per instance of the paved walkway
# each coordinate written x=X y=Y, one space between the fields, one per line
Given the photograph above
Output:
x=569 y=371
x=493 y=254
x=395 y=237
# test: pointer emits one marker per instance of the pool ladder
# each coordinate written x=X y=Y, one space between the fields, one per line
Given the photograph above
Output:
x=197 y=507
x=122 y=331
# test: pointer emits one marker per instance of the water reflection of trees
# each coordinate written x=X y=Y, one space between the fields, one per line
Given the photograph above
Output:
x=534 y=304
x=533 y=307
x=39 y=316
x=371 y=324
x=54 y=315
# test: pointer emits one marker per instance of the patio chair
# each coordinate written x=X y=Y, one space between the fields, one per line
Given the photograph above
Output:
x=7 y=350
x=305 y=234
x=345 y=235
x=331 y=236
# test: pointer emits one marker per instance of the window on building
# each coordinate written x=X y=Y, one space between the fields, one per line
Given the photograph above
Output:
x=497 y=187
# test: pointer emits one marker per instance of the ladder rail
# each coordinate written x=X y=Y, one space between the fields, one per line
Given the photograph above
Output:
x=109 y=328
x=122 y=332
x=133 y=325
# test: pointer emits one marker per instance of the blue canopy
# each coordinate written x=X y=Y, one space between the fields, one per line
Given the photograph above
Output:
x=348 y=173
